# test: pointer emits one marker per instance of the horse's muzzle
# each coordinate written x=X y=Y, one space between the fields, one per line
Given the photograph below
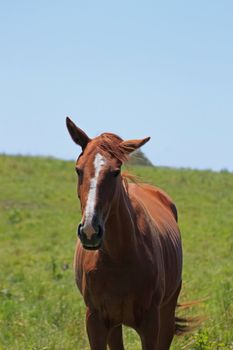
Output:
x=92 y=243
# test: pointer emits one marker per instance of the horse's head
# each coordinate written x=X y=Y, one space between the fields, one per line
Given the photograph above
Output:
x=98 y=168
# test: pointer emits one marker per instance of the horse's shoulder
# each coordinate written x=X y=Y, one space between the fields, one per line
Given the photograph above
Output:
x=154 y=193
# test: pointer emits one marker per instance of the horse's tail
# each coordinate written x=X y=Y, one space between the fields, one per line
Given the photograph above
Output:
x=185 y=325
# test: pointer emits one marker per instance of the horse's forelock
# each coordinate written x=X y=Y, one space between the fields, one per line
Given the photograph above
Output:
x=110 y=144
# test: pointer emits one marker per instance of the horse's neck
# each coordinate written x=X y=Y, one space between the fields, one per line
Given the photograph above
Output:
x=119 y=240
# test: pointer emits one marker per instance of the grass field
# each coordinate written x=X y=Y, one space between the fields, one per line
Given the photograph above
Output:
x=40 y=307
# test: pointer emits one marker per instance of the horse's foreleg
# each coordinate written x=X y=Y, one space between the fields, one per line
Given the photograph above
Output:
x=149 y=330
x=115 y=338
x=96 y=330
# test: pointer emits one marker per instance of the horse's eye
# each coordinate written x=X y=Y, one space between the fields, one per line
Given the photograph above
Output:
x=78 y=171
x=116 y=172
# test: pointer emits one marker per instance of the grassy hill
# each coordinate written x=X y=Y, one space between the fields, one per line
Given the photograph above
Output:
x=40 y=307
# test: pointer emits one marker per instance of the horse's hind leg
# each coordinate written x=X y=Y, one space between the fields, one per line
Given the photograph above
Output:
x=167 y=322
x=115 y=338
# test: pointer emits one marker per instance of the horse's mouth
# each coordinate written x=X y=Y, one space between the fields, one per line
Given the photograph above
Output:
x=92 y=247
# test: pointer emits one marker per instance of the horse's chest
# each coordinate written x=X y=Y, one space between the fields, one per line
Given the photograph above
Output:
x=120 y=295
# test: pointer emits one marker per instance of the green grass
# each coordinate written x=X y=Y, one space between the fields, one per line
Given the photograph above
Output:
x=40 y=307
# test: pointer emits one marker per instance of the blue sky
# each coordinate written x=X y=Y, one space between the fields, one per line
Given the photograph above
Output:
x=151 y=68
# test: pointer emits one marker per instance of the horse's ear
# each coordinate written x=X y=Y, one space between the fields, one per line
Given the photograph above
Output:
x=132 y=145
x=77 y=134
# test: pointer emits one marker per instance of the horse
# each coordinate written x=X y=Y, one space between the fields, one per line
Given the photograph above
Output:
x=128 y=258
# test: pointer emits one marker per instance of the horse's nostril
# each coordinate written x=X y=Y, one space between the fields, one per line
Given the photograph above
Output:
x=100 y=231
x=79 y=230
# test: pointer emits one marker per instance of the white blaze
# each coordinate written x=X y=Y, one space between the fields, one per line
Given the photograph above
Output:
x=91 y=199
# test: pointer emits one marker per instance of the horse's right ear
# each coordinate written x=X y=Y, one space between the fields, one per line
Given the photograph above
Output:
x=77 y=134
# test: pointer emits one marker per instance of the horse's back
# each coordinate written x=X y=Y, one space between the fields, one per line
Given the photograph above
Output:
x=155 y=200
x=161 y=212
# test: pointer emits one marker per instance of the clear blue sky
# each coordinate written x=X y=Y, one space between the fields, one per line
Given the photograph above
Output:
x=151 y=68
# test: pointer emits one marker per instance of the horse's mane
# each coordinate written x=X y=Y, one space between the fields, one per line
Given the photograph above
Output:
x=127 y=178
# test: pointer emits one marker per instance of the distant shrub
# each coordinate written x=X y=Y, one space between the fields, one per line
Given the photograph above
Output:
x=224 y=170
x=139 y=158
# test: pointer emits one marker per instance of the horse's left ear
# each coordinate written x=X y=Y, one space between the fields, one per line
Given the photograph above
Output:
x=132 y=145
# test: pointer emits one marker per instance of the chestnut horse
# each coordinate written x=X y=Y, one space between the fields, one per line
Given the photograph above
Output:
x=128 y=260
